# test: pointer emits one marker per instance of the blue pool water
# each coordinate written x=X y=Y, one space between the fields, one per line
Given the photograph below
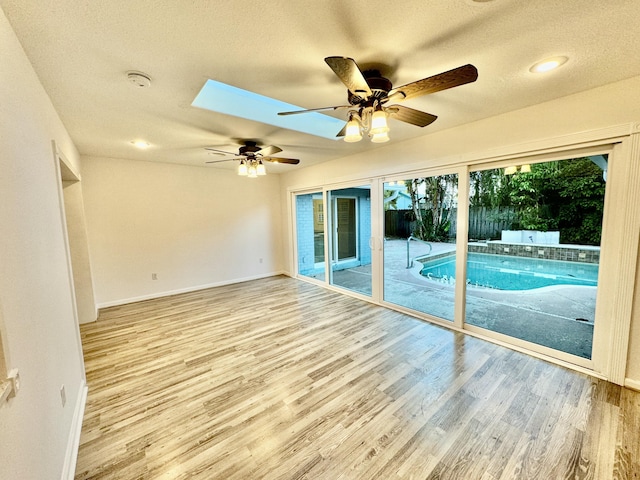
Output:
x=513 y=273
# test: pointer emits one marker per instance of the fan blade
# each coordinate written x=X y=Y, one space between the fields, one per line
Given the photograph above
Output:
x=410 y=115
x=348 y=71
x=342 y=132
x=290 y=161
x=442 y=81
x=270 y=150
x=315 y=110
x=219 y=151
x=225 y=160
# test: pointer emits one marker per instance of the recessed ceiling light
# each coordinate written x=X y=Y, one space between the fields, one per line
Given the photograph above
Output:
x=230 y=100
x=141 y=144
x=548 y=64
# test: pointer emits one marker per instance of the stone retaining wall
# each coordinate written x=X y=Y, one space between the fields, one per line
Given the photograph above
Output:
x=567 y=253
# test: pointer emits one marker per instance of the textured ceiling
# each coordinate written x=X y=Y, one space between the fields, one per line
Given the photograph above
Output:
x=81 y=51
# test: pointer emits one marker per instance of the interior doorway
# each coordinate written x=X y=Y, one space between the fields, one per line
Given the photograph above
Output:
x=73 y=217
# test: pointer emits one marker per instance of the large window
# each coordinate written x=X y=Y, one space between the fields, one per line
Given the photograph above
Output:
x=420 y=244
x=534 y=250
x=509 y=253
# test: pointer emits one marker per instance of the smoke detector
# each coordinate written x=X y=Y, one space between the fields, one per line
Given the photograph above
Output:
x=139 y=79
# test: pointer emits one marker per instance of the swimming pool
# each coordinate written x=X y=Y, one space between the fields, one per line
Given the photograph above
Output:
x=504 y=272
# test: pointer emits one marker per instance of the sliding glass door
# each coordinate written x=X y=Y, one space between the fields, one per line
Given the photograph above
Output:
x=350 y=227
x=420 y=244
x=534 y=249
x=509 y=253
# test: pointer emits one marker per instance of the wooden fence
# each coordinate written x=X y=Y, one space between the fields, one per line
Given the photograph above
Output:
x=484 y=223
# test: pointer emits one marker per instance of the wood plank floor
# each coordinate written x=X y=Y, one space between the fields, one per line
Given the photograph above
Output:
x=280 y=379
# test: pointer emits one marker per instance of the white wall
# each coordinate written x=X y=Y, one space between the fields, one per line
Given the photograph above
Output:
x=40 y=331
x=600 y=108
x=192 y=226
x=79 y=248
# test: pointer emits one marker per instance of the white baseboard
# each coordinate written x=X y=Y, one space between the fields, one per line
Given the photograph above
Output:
x=151 y=296
x=633 y=384
x=73 y=443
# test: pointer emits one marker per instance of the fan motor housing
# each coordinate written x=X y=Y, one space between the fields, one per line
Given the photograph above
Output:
x=379 y=85
x=249 y=149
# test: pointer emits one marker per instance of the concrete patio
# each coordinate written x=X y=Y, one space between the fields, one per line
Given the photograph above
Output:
x=559 y=317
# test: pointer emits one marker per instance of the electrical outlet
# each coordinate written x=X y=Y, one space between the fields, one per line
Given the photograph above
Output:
x=154 y=276
x=63 y=395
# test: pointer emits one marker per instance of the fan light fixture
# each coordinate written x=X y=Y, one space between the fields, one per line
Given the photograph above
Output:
x=252 y=163
x=378 y=123
x=242 y=169
x=372 y=120
x=369 y=90
x=353 y=131
x=252 y=168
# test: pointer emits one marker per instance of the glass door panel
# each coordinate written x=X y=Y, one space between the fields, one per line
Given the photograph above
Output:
x=310 y=228
x=350 y=234
x=420 y=244
x=346 y=228
x=534 y=250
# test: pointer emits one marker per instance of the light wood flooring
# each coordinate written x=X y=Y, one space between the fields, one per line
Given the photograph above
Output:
x=281 y=379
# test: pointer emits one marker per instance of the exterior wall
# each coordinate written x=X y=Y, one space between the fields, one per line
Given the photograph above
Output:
x=364 y=204
x=305 y=234
x=306 y=228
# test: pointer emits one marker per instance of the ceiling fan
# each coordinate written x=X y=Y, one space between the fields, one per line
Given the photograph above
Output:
x=251 y=158
x=369 y=95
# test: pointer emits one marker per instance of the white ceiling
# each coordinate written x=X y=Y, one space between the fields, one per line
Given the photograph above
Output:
x=81 y=50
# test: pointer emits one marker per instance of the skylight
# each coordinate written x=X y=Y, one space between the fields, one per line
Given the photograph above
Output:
x=223 y=98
